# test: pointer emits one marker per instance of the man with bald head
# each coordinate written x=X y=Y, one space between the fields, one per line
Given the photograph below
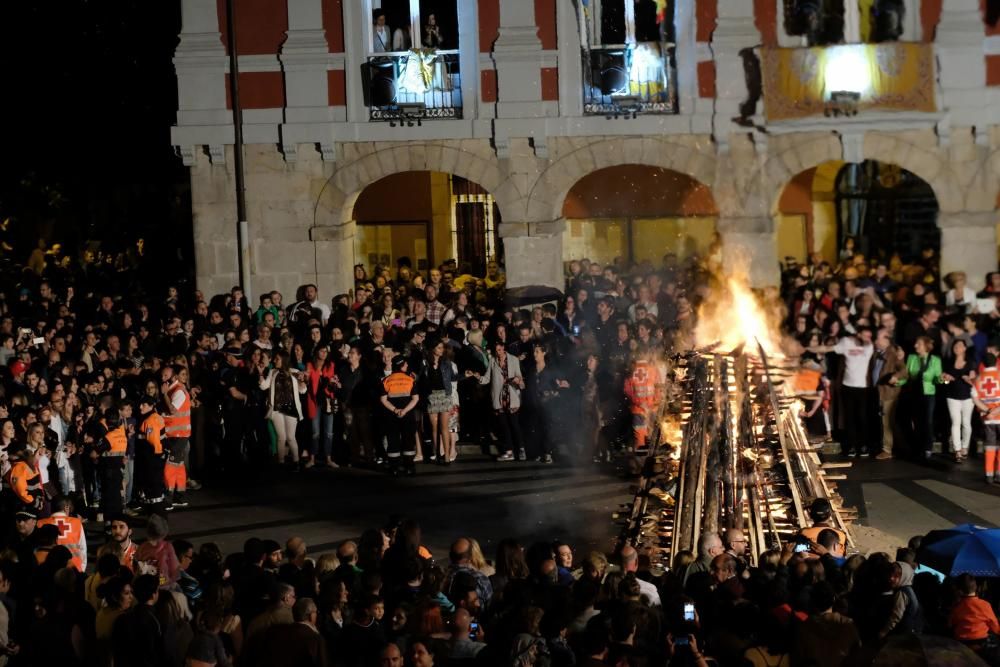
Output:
x=736 y=546
x=709 y=546
x=460 y=556
x=630 y=563
x=390 y=656
x=299 y=570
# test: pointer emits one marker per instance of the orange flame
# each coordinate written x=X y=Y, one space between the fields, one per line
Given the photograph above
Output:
x=735 y=317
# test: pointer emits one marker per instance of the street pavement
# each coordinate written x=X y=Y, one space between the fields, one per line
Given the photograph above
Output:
x=481 y=498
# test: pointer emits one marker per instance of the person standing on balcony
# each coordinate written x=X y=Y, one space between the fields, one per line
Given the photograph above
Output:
x=432 y=33
x=381 y=39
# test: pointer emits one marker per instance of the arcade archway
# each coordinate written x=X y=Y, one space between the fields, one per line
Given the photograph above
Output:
x=638 y=213
x=887 y=210
x=426 y=217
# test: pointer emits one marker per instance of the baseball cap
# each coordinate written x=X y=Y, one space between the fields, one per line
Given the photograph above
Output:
x=25 y=514
x=398 y=362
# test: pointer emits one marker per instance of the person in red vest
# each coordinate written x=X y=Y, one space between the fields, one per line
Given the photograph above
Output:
x=986 y=396
x=70 y=529
x=642 y=387
x=177 y=428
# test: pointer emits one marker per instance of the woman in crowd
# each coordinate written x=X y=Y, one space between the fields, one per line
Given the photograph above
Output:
x=321 y=404
x=924 y=371
x=957 y=377
x=285 y=408
x=438 y=399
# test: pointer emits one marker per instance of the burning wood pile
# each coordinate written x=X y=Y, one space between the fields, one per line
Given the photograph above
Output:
x=729 y=450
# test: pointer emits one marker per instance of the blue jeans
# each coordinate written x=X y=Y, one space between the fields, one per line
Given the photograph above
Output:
x=322 y=428
x=129 y=478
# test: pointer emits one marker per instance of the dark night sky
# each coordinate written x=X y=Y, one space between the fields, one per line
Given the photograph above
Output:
x=90 y=96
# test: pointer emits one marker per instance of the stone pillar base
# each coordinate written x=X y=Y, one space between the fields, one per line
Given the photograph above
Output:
x=533 y=254
x=969 y=244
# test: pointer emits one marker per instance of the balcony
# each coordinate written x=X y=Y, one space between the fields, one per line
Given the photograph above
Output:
x=412 y=86
x=848 y=80
x=629 y=79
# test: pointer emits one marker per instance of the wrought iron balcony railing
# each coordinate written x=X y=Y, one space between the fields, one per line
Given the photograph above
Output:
x=629 y=79
x=407 y=86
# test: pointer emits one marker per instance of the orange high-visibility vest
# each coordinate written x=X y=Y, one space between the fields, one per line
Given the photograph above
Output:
x=118 y=440
x=71 y=536
x=152 y=430
x=178 y=424
x=25 y=482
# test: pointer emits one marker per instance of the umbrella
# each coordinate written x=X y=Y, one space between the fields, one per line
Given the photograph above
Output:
x=966 y=548
x=925 y=651
x=529 y=294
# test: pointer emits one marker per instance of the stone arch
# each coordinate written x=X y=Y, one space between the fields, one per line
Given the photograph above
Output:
x=785 y=165
x=928 y=165
x=545 y=201
x=338 y=195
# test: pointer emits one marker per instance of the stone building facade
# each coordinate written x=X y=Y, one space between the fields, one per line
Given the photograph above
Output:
x=524 y=134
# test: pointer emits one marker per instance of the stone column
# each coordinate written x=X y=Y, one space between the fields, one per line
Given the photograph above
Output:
x=304 y=59
x=334 y=247
x=962 y=76
x=200 y=62
x=517 y=55
x=969 y=243
x=749 y=245
x=533 y=253
x=735 y=31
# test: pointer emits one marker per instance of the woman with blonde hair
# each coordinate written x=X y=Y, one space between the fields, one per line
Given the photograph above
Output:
x=478 y=560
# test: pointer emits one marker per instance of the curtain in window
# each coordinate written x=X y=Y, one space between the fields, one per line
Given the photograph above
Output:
x=899 y=75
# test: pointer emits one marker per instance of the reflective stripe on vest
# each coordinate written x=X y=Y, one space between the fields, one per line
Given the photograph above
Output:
x=178 y=424
x=118 y=441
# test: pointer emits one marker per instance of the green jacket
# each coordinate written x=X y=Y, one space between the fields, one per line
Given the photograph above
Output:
x=932 y=375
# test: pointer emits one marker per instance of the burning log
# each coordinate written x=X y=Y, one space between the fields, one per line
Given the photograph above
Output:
x=742 y=460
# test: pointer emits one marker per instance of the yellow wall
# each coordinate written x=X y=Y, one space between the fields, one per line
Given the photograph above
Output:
x=388 y=243
x=825 y=230
x=600 y=240
x=654 y=238
x=603 y=239
x=441 y=214
x=791 y=233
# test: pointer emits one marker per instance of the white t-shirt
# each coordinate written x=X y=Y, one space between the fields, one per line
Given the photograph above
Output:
x=856 y=358
x=967 y=297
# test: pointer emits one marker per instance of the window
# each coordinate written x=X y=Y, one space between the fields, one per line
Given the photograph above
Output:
x=475 y=233
x=628 y=56
x=826 y=22
x=412 y=71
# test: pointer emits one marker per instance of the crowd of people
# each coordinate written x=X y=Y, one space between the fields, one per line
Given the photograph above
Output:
x=385 y=599
x=897 y=367
x=113 y=401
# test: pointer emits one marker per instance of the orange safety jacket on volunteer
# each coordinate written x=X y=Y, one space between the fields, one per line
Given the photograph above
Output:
x=26 y=482
x=398 y=387
x=71 y=536
x=178 y=419
x=640 y=387
x=118 y=440
x=151 y=431
x=986 y=388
